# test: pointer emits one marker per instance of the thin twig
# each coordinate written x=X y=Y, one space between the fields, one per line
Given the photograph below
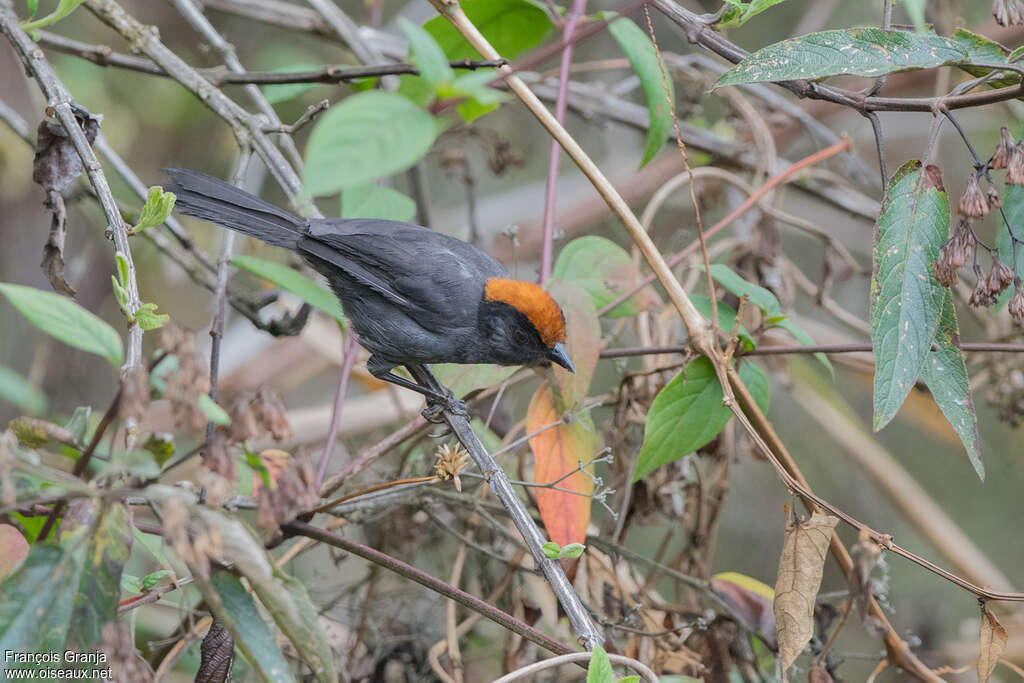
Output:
x=350 y=351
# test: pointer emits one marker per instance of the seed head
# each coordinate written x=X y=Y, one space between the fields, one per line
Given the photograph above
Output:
x=992 y=195
x=945 y=272
x=1000 y=277
x=1015 y=169
x=972 y=202
x=1016 y=306
x=961 y=245
x=1004 y=150
x=981 y=296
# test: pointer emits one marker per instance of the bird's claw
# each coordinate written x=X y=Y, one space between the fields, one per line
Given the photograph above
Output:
x=434 y=412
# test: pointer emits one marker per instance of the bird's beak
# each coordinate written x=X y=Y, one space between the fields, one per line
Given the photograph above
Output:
x=559 y=355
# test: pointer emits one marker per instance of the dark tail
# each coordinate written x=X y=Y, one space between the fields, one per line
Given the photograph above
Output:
x=211 y=199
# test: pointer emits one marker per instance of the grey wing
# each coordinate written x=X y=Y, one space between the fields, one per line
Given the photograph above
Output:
x=426 y=272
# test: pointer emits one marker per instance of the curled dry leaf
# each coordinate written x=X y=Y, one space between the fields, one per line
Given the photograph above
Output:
x=992 y=637
x=800 y=567
x=865 y=554
x=218 y=655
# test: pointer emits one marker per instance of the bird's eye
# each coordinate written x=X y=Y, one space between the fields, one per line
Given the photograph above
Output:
x=521 y=337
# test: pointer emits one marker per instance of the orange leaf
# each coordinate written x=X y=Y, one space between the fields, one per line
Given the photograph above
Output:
x=556 y=452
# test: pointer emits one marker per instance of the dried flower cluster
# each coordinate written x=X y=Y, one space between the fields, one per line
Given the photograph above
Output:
x=260 y=415
x=293 y=490
x=451 y=459
x=196 y=544
x=1008 y=12
x=189 y=381
x=954 y=254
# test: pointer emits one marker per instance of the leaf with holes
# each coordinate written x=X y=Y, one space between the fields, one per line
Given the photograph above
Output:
x=800 y=568
x=945 y=373
x=658 y=89
x=557 y=451
x=511 y=26
x=582 y=342
x=65 y=320
x=292 y=281
x=856 y=51
x=606 y=271
x=366 y=136
x=906 y=300
x=688 y=413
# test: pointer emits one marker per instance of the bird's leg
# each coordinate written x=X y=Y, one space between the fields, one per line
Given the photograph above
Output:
x=436 y=400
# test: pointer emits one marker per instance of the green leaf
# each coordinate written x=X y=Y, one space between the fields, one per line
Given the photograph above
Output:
x=155 y=211
x=64 y=8
x=366 y=136
x=600 y=668
x=62 y=595
x=212 y=410
x=758 y=295
x=161 y=445
x=33 y=6
x=551 y=549
x=426 y=54
x=1013 y=207
x=726 y=318
x=292 y=281
x=65 y=320
x=149 y=319
x=130 y=583
x=571 y=551
x=78 y=423
x=511 y=26
x=154 y=579
x=480 y=99
x=906 y=301
x=602 y=268
x=742 y=12
x=945 y=373
x=283 y=92
x=688 y=413
x=370 y=200
x=657 y=87
x=19 y=392
x=256 y=639
x=462 y=379
x=858 y=51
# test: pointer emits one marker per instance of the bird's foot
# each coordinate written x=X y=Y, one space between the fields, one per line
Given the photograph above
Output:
x=436 y=407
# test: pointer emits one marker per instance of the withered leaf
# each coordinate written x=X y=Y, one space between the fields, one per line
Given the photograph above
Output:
x=800 y=567
x=865 y=554
x=57 y=164
x=218 y=655
x=992 y=637
x=819 y=674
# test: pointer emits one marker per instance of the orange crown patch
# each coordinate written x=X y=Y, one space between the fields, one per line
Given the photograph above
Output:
x=533 y=302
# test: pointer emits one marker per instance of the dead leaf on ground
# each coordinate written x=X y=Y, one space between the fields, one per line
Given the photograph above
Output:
x=800 y=567
x=992 y=637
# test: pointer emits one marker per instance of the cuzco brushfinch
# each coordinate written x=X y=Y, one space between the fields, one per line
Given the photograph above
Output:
x=413 y=295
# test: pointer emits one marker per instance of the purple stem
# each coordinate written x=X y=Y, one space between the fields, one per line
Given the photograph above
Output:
x=550 y=187
x=339 y=400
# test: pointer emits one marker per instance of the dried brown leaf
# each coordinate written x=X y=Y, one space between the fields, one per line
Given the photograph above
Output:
x=992 y=637
x=800 y=567
x=218 y=652
x=818 y=674
x=865 y=554
x=57 y=164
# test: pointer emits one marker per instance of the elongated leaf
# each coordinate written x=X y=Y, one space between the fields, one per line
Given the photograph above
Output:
x=800 y=568
x=370 y=200
x=17 y=391
x=657 y=87
x=605 y=270
x=688 y=413
x=945 y=373
x=906 y=301
x=256 y=640
x=284 y=597
x=860 y=51
x=65 y=320
x=426 y=54
x=64 y=8
x=583 y=343
x=366 y=136
x=292 y=281
x=511 y=26
x=556 y=452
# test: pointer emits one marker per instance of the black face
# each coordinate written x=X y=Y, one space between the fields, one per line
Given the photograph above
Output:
x=511 y=337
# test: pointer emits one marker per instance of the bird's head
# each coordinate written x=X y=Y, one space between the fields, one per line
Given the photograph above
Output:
x=522 y=324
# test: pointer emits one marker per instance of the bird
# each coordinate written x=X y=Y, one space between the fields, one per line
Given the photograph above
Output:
x=413 y=296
